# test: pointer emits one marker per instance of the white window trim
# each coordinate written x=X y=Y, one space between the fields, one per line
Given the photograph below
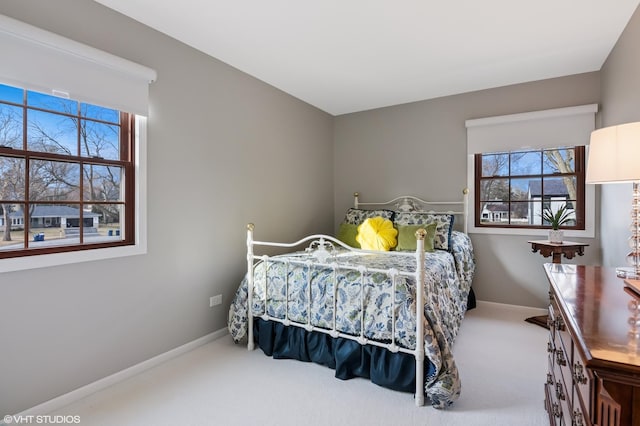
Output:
x=589 y=191
x=140 y=246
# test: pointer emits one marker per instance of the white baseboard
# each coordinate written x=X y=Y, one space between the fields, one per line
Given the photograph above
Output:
x=75 y=395
x=529 y=309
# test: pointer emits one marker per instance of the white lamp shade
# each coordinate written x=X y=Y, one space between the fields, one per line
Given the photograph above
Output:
x=614 y=154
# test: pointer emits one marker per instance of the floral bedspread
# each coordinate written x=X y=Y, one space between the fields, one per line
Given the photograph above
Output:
x=448 y=277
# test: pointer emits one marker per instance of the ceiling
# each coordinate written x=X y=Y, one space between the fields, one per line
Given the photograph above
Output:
x=345 y=56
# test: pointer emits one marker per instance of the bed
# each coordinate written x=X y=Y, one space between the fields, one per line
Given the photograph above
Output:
x=354 y=310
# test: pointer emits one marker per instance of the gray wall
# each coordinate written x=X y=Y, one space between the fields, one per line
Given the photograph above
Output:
x=223 y=149
x=420 y=149
x=214 y=133
x=620 y=104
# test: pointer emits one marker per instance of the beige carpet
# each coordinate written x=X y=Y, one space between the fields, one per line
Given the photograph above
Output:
x=502 y=361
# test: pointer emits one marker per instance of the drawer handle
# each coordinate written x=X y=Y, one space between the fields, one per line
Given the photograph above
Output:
x=549 y=379
x=576 y=419
x=556 y=410
x=560 y=392
x=559 y=324
x=550 y=322
x=549 y=347
x=578 y=373
x=560 y=357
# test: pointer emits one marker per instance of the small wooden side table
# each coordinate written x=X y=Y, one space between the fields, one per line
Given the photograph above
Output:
x=568 y=249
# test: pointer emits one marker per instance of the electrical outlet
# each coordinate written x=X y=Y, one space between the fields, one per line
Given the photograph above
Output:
x=215 y=300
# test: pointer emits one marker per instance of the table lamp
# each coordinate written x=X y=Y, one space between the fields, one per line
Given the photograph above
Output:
x=614 y=157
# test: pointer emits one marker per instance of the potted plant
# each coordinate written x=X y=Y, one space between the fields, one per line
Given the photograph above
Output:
x=557 y=219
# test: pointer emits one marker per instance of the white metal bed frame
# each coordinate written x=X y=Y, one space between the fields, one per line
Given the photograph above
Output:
x=322 y=247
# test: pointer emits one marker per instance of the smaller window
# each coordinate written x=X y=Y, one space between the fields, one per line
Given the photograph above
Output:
x=513 y=188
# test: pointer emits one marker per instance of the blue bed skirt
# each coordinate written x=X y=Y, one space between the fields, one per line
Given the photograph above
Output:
x=348 y=358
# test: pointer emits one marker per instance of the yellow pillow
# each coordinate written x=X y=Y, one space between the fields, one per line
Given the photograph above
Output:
x=377 y=233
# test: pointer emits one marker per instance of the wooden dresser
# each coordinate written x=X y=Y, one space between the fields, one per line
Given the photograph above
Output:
x=594 y=360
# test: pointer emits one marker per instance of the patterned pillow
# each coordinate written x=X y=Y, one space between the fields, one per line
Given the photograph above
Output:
x=443 y=228
x=357 y=216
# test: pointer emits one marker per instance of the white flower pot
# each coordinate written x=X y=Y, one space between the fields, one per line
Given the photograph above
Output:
x=555 y=236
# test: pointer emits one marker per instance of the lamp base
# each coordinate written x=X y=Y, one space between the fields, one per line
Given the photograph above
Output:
x=627 y=272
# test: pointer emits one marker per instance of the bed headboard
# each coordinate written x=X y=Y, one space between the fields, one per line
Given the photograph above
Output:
x=409 y=203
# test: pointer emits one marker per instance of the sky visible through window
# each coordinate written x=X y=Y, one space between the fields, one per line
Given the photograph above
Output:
x=100 y=123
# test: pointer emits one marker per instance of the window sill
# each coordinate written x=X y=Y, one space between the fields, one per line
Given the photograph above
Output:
x=588 y=233
x=57 y=259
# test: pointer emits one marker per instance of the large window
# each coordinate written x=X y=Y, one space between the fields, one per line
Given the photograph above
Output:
x=66 y=174
x=519 y=164
x=513 y=188
x=72 y=135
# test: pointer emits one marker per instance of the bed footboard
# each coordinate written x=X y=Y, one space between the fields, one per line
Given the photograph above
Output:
x=321 y=253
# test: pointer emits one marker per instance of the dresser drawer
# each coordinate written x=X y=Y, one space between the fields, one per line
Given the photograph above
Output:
x=552 y=406
x=561 y=333
x=563 y=392
x=583 y=385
